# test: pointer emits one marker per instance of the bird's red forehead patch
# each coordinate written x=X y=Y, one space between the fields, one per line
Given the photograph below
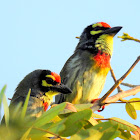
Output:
x=56 y=76
x=105 y=24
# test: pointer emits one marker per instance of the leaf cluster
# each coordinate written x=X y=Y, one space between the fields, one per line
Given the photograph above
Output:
x=60 y=123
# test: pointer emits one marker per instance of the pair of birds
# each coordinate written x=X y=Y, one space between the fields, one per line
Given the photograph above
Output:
x=83 y=75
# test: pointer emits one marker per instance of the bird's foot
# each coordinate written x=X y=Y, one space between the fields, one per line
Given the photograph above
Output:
x=102 y=108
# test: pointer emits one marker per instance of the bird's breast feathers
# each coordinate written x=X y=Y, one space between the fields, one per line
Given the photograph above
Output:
x=86 y=76
x=102 y=60
x=90 y=85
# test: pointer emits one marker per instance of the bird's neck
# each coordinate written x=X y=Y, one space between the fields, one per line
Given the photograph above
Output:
x=48 y=98
x=102 y=60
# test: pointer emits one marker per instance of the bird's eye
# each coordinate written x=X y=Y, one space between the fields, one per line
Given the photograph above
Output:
x=50 y=81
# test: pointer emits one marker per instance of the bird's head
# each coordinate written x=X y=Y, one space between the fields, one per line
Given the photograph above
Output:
x=41 y=83
x=44 y=85
x=50 y=83
x=98 y=37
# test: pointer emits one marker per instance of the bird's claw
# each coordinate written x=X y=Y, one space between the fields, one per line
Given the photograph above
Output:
x=102 y=108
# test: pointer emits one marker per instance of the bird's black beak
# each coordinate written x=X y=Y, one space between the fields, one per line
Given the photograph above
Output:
x=112 y=31
x=61 y=88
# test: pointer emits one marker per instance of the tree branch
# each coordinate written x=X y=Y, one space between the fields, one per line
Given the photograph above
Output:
x=114 y=78
x=129 y=85
x=123 y=94
x=118 y=82
x=101 y=102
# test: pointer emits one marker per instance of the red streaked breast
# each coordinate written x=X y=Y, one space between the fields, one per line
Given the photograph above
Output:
x=102 y=60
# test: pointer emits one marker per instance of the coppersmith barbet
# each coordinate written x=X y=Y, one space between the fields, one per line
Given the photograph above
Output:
x=44 y=85
x=86 y=70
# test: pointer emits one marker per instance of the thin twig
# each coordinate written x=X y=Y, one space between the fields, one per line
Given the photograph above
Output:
x=102 y=119
x=129 y=85
x=122 y=102
x=47 y=132
x=114 y=78
x=126 y=36
x=118 y=82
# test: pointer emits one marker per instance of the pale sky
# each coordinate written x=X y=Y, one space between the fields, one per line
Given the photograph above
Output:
x=41 y=35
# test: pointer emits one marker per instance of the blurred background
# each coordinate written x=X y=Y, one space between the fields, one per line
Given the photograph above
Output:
x=41 y=35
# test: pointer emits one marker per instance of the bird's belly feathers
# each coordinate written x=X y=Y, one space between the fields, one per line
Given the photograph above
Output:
x=93 y=84
x=89 y=85
x=35 y=107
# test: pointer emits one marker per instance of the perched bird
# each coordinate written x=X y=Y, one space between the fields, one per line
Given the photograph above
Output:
x=86 y=70
x=44 y=84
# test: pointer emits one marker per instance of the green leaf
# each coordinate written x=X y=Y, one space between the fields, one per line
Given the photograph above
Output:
x=6 y=110
x=75 y=122
x=1 y=97
x=110 y=134
x=94 y=135
x=47 y=126
x=91 y=134
x=123 y=124
x=2 y=93
x=102 y=131
x=131 y=111
x=16 y=111
x=37 y=133
x=48 y=130
x=65 y=111
x=8 y=133
x=125 y=135
x=80 y=107
x=25 y=135
x=108 y=130
x=104 y=126
x=56 y=128
x=49 y=115
x=24 y=109
x=136 y=105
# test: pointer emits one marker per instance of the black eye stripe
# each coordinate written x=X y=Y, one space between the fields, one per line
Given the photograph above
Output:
x=99 y=28
x=50 y=81
x=90 y=28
